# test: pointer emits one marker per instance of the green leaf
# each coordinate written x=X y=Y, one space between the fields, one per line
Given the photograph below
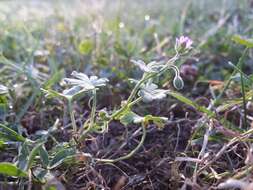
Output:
x=40 y=174
x=44 y=156
x=11 y=134
x=55 y=78
x=130 y=117
x=23 y=156
x=120 y=50
x=53 y=94
x=158 y=121
x=10 y=169
x=1 y=144
x=60 y=157
x=3 y=106
x=32 y=155
x=86 y=46
x=191 y=103
x=52 y=187
x=243 y=41
x=246 y=77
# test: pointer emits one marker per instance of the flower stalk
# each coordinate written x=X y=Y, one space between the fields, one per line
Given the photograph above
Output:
x=92 y=116
x=145 y=77
x=72 y=116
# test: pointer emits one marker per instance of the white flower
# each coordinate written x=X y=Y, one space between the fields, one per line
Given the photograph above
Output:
x=150 y=92
x=84 y=82
x=3 y=89
x=152 y=67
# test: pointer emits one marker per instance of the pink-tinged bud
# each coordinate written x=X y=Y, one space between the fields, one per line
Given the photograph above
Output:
x=183 y=43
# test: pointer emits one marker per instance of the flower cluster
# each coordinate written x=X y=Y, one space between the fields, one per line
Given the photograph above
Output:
x=183 y=43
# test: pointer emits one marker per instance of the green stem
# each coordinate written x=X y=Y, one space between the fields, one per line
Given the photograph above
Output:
x=244 y=101
x=129 y=100
x=144 y=133
x=136 y=88
x=239 y=65
x=93 y=109
x=92 y=116
x=134 y=102
x=144 y=78
x=72 y=116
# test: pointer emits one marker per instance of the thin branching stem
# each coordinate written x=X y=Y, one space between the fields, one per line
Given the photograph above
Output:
x=144 y=78
x=144 y=132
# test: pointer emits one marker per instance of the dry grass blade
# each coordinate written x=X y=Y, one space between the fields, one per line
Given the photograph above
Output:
x=242 y=137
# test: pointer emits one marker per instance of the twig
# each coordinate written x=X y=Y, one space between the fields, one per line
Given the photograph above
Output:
x=224 y=148
x=188 y=159
x=202 y=152
x=244 y=101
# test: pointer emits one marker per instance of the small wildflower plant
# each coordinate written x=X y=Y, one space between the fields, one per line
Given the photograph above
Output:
x=145 y=90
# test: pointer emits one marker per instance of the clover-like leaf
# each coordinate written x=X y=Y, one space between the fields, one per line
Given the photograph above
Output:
x=150 y=92
x=84 y=81
x=152 y=67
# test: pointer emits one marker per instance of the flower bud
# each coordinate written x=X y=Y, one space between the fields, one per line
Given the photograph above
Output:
x=178 y=82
